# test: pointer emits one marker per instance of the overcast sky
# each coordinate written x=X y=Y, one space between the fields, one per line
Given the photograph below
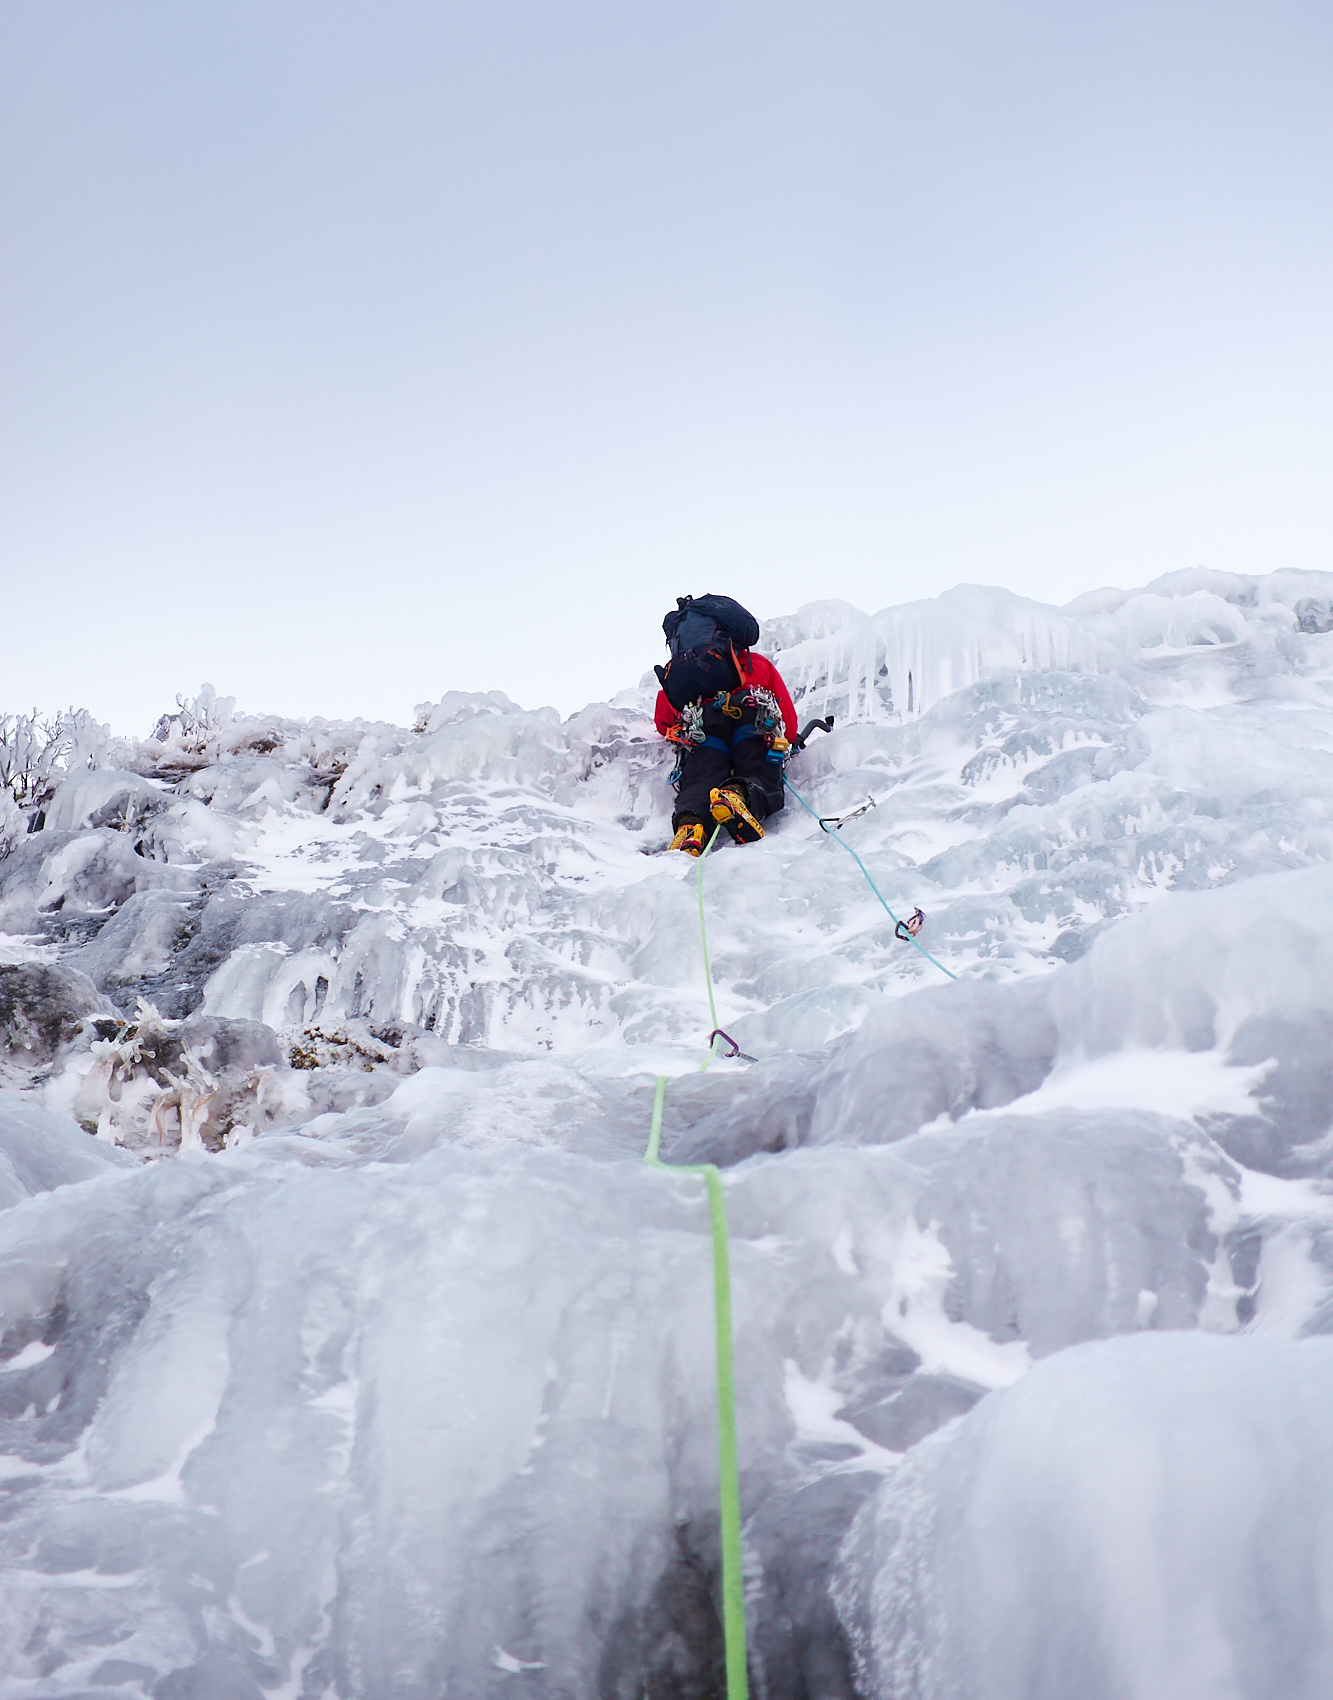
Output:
x=353 y=353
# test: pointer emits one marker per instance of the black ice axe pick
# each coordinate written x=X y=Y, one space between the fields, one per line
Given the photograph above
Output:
x=825 y=725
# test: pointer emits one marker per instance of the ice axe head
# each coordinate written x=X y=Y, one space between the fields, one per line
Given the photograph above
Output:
x=825 y=725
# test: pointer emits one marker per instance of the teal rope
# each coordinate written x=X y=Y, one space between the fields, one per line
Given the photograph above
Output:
x=728 y=1468
x=866 y=871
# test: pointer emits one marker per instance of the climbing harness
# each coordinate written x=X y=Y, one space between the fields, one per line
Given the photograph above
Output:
x=915 y=921
x=729 y=1481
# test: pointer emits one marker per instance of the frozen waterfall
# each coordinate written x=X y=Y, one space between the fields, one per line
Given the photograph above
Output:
x=350 y=1350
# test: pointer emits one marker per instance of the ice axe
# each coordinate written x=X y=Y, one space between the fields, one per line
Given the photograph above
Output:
x=825 y=725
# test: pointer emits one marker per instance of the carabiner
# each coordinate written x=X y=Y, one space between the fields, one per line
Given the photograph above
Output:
x=735 y=1050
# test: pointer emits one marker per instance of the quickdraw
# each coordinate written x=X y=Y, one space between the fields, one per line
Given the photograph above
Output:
x=906 y=930
x=735 y=1050
x=835 y=823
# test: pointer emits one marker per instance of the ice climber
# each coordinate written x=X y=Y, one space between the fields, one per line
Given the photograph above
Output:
x=730 y=716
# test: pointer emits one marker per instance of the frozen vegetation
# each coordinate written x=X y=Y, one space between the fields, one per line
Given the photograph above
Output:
x=349 y=1349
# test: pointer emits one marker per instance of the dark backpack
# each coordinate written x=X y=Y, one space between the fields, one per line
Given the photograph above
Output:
x=703 y=634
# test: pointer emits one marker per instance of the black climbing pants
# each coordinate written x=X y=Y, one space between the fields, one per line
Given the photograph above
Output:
x=732 y=750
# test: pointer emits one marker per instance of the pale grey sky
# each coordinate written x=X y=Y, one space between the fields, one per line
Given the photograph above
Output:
x=352 y=353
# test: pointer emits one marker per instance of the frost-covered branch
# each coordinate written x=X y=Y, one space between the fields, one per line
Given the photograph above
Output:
x=198 y=723
x=36 y=754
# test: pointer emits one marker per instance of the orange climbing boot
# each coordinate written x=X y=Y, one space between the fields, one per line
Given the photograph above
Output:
x=689 y=838
x=729 y=807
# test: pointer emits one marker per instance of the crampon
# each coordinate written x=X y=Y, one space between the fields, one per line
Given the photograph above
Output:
x=730 y=808
x=689 y=838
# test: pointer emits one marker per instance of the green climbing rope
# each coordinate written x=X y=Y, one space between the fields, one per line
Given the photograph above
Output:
x=729 y=1481
x=866 y=871
x=729 y=1484
x=729 y=1487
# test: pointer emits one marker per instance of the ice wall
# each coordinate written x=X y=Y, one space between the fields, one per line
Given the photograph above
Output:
x=393 y=1425
x=346 y=1347
x=493 y=877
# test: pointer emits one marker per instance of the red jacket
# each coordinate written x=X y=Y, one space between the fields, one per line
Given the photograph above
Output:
x=755 y=670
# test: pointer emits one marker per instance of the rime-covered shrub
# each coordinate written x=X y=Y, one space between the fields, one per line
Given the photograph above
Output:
x=36 y=754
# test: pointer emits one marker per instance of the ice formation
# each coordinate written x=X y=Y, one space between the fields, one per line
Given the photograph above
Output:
x=349 y=1349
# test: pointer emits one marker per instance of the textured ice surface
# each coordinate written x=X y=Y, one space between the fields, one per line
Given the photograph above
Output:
x=40 y=1151
x=389 y=1373
x=374 y=1420
x=1136 y=1520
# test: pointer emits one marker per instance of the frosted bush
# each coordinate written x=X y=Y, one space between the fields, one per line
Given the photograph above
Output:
x=206 y=728
x=12 y=824
x=198 y=723
x=35 y=754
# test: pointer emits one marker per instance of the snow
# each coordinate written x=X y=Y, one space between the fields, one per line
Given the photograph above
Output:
x=359 y=1354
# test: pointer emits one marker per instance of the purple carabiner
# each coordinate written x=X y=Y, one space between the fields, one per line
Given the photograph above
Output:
x=735 y=1050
